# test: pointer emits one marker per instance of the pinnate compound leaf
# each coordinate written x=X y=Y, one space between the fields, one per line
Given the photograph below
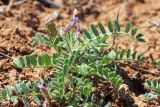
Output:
x=39 y=38
x=153 y=85
x=33 y=61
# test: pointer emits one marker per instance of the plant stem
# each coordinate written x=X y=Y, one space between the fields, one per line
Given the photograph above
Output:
x=114 y=37
x=65 y=39
x=113 y=42
x=6 y=55
x=139 y=69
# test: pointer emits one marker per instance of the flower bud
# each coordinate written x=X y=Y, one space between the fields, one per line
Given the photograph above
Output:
x=78 y=30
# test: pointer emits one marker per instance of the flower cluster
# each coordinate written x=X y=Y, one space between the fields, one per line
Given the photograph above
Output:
x=73 y=23
x=41 y=87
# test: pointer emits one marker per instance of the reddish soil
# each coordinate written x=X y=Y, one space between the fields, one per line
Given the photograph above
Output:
x=22 y=22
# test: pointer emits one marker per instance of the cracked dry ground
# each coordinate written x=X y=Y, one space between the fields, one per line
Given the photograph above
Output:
x=24 y=21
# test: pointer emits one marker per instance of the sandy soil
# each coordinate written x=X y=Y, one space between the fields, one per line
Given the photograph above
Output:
x=22 y=22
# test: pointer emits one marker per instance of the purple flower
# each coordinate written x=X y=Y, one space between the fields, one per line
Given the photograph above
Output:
x=75 y=12
x=73 y=22
x=44 y=104
x=41 y=87
x=45 y=93
x=78 y=30
x=66 y=28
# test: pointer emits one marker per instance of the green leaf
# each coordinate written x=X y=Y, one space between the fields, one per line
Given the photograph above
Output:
x=33 y=60
x=24 y=87
x=102 y=44
x=140 y=57
x=112 y=54
x=51 y=28
x=57 y=40
x=65 y=69
x=9 y=90
x=113 y=80
x=139 y=36
x=101 y=27
x=18 y=88
x=142 y=39
x=36 y=100
x=47 y=60
x=156 y=62
x=80 y=40
x=71 y=57
x=86 y=33
x=41 y=61
x=112 y=74
x=127 y=27
x=26 y=102
x=27 y=59
x=128 y=53
x=70 y=38
x=134 y=31
x=106 y=60
x=110 y=26
x=119 y=82
x=39 y=38
x=100 y=71
x=106 y=72
x=4 y=93
x=21 y=59
x=117 y=26
x=17 y=63
x=14 y=99
x=100 y=102
x=86 y=90
x=153 y=83
x=134 y=55
x=122 y=54
x=94 y=30
x=92 y=97
x=54 y=58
